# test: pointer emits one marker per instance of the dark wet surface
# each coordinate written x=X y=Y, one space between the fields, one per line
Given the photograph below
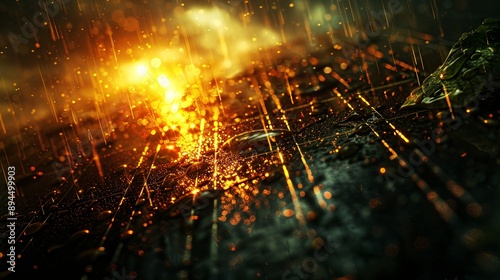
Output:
x=338 y=184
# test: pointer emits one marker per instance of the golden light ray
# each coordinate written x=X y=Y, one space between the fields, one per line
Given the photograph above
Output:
x=291 y=188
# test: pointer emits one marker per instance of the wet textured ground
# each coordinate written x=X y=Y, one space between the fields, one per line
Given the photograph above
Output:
x=340 y=194
x=326 y=179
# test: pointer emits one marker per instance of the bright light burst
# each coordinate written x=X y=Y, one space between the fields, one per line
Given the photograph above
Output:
x=142 y=70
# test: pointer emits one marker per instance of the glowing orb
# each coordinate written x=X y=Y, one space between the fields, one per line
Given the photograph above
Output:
x=163 y=81
x=156 y=62
x=142 y=70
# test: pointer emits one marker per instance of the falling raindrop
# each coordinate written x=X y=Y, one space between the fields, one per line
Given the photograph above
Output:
x=88 y=256
x=34 y=228
x=127 y=235
x=273 y=177
x=256 y=141
x=77 y=236
x=104 y=215
x=140 y=202
x=198 y=201
x=55 y=248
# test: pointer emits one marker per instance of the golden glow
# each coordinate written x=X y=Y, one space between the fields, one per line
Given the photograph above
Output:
x=156 y=62
x=142 y=70
x=226 y=40
x=174 y=108
x=171 y=82
x=448 y=101
x=393 y=153
x=171 y=95
x=163 y=81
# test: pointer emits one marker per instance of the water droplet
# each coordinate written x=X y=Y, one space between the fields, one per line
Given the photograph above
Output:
x=88 y=256
x=34 y=228
x=138 y=213
x=62 y=212
x=55 y=248
x=78 y=235
x=491 y=21
x=493 y=123
x=140 y=202
x=104 y=215
x=53 y=208
x=121 y=169
x=198 y=201
x=288 y=213
x=126 y=235
x=273 y=177
x=256 y=141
